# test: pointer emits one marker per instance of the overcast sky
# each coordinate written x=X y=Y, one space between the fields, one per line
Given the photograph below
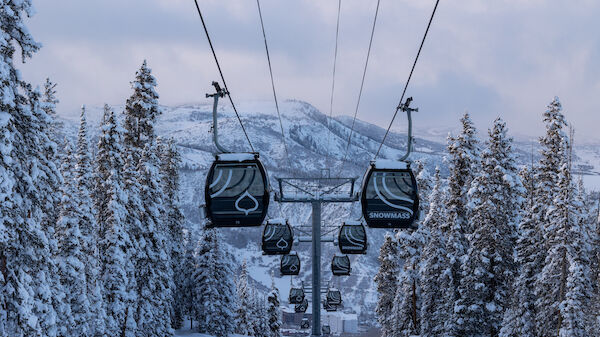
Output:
x=505 y=58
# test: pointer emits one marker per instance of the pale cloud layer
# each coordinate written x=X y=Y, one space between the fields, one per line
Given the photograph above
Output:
x=493 y=58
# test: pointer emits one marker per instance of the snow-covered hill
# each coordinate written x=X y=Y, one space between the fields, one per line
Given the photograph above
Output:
x=314 y=144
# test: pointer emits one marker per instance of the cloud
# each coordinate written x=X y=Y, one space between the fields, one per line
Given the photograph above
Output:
x=502 y=57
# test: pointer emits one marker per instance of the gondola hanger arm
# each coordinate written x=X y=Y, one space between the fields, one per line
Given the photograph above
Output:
x=406 y=107
x=219 y=93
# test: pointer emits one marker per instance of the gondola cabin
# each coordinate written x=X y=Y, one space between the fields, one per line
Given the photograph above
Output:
x=329 y=307
x=340 y=265
x=236 y=191
x=296 y=296
x=305 y=324
x=326 y=329
x=389 y=196
x=333 y=297
x=352 y=238
x=301 y=307
x=277 y=237
x=290 y=264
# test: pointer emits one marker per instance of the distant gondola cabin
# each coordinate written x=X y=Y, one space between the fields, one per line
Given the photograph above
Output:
x=290 y=264
x=277 y=237
x=352 y=238
x=340 y=265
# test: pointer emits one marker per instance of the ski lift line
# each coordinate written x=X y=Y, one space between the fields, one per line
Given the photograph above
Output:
x=362 y=82
x=287 y=154
x=399 y=107
x=223 y=77
x=337 y=31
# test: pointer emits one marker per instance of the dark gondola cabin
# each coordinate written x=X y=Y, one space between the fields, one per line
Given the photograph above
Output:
x=237 y=191
x=352 y=238
x=329 y=307
x=389 y=196
x=333 y=297
x=277 y=237
x=305 y=324
x=296 y=296
x=326 y=329
x=340 y=265
x=301 y=308
x=290 y=264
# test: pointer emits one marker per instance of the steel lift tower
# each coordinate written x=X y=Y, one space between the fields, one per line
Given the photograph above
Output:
x=316 y=191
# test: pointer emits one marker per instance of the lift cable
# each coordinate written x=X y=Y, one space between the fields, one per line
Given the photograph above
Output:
x=337 y=31
x=287 y=154
x=399 y=107
x=222 y=77
x=362 y=82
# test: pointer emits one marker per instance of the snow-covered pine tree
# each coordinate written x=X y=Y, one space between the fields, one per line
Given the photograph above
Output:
x=519 y=318
x=434 y=311
x=260 y=320
x=407 y=303
x=570 y=250
x=589 y=222
x=116 y=245
x=153 y=271
x=29 y=278
x=463 y=160
x=243 y=315
x=188 y=269
x=488 y=269
x=273 y=311
x=173 y=219
x=552 y=155
x=215 y=289
x=387 y=282
x=89 y=229
x=405 y=316
x=554 y=273
x=141 y=111
x=551 y=283
x=48 y=104
x=71 y=257
x=45 y=196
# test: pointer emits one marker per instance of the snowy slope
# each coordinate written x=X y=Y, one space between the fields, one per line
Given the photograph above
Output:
x=314 y=144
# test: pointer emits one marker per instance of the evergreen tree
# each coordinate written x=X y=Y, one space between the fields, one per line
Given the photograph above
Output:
x=116 y=244
x=242 y=314
x=463 y=161
x=48 y=104
x=519 y=318
x=258 y=315
x=489 y=268
x=71 y=256
x=173 y=219
x=46 y=199
x=89 y=229
x=29 y=188
x=546 y=179
x=589 y=234
x=552 y=155
x=435 y=312
x=188 y=270
x=387 y=282
x=141 y=111
x=407 y=304
x=215 y=290
x=153 y=270
x=550 y=286
x=273 y=311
